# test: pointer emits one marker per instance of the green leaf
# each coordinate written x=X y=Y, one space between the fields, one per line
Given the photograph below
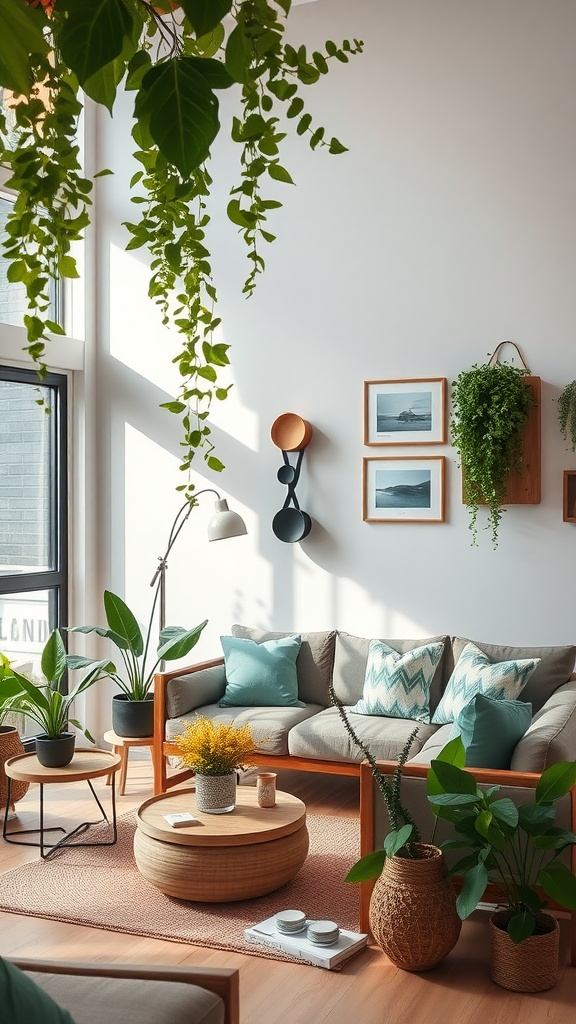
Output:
x=238 y=55
x=176 y=642
x=93 y=34
x=473 y=887
x=536 y=819
x=180 y=111
x=336 y=147
x=521 y=926
x=397 y=839
x=67 y=267
x=555 y=782
x=53 y=661
x=454 y=752
x=505 y=811
x=205 y=15
x=559 y=884
x=213 y=71
x=214 y=464
x=367 y=867
x=21 y=36
x=452 y=779
x=175 y=407
x=279 y=173
x=121 y=620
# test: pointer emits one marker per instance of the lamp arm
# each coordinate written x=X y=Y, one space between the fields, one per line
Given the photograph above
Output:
x=179 y=520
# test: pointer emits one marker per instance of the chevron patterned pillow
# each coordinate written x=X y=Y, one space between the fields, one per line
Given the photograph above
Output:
x=398 y=685
x=475 y=673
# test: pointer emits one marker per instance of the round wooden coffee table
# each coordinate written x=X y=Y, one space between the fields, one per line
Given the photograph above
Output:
x=226 y=857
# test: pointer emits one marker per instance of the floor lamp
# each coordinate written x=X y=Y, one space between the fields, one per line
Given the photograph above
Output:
x=224 y=523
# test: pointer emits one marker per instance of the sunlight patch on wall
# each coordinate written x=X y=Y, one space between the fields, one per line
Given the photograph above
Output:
x=359 y=613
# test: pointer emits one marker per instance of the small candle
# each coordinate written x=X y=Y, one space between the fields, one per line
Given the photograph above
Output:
x=266 y=789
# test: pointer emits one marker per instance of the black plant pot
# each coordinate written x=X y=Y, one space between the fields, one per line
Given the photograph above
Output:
x=132 y=718
x=55 y=751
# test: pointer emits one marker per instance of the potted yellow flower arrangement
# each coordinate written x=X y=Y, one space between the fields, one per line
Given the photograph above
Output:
x=215 y=751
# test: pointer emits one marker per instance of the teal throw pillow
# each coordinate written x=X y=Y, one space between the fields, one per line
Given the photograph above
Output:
x=22 y=1001
x=490 y=729
x=398 y=685
x=475 y=673
x=261 y=675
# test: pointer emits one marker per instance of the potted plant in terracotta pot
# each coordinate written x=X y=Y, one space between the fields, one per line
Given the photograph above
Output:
x=518 y=851
x=215 y=751
x=45 y=704
x=413 y=905
x=133 y=708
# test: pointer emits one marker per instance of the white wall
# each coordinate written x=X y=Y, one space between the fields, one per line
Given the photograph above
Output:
x=447 y=227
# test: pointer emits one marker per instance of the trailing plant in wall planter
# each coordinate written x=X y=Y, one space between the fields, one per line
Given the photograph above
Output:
x=176 y=59
x=491 y=404
x=567 y=413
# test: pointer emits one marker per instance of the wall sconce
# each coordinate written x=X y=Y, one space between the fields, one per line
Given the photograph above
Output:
x=291 y=433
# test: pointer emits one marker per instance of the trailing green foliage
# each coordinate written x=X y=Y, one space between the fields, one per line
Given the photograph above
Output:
x=46 y=704
x=125 y=632
x=515 y=848
x=176 y=63
x=491 y=404
x=567 y=413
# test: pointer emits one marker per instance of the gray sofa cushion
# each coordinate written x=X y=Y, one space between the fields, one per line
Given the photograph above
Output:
x=186 y=692
x=313 y=664
x=93 y=1000
x=556 y=666
x=325 y=738
x=551 y=736
x=270 y=726
x=351 y=656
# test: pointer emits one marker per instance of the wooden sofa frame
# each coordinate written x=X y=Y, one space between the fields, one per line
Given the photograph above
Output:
x=488 y=777
x=163 y=748
x=222 y=981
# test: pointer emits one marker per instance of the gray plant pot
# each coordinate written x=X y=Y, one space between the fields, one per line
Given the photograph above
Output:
x=132 y=718
x=55 y=751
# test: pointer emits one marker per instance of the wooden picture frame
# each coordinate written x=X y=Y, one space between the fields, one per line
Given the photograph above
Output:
x=405 y=411
x=400 y=489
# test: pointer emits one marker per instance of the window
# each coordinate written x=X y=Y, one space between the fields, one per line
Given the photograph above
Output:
x=33 y=519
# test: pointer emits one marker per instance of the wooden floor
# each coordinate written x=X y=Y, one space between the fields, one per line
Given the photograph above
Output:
x=368 y=990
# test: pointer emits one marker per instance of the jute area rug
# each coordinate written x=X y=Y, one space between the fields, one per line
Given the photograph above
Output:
x=102 y=888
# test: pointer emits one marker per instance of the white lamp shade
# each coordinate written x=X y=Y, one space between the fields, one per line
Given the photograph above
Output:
x=225 y=523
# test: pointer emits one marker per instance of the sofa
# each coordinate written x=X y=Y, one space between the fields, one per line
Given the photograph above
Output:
x=309 y=734
x=59 y=992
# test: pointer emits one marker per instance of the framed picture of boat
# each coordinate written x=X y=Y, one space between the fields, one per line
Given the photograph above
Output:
x=404 y=490
x=405 y=411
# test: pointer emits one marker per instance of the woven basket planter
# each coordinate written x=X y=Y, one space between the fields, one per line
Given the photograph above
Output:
x=10 y=746
x=216 y=794
x=413 y=910
x=530 y=966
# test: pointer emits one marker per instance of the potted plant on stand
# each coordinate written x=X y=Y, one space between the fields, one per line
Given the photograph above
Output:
x=215 y=751
x=518 y=851
x=413 y=905
x=133 y=708
x=46 y=704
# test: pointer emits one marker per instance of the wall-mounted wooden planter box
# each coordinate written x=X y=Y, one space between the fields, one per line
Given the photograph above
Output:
x=524 y=488
x=569 y=496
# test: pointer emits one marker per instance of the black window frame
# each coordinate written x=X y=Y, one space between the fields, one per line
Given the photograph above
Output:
x=55 y=580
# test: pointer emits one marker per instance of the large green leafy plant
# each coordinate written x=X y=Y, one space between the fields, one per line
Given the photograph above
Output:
x=176 y=62
x=517 y=849
x=46 y=704
x=491 y=404
x=135 y=646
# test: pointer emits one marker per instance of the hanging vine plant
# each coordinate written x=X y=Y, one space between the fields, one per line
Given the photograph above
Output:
x=175 y=58
x=491 y=404
x=567 y=414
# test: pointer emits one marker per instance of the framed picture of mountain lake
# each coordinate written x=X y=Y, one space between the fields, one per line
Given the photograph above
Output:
x=404 y=490
x=405 y=411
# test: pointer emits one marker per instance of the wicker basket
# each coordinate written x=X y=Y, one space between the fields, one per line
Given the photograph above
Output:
x=413 y=910
x=530 y=966
x=10 y=746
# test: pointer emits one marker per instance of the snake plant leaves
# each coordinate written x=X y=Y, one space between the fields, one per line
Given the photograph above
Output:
x=179 y=109
x=94 y=33
x=205 y=15
x=22 y=36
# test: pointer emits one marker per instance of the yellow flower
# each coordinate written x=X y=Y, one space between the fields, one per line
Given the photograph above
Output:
x=214 y=748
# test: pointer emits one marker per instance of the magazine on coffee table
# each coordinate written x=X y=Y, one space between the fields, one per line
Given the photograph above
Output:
x=301 y=948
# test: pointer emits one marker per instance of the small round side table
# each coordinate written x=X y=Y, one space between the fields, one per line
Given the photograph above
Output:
x=121 y=746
